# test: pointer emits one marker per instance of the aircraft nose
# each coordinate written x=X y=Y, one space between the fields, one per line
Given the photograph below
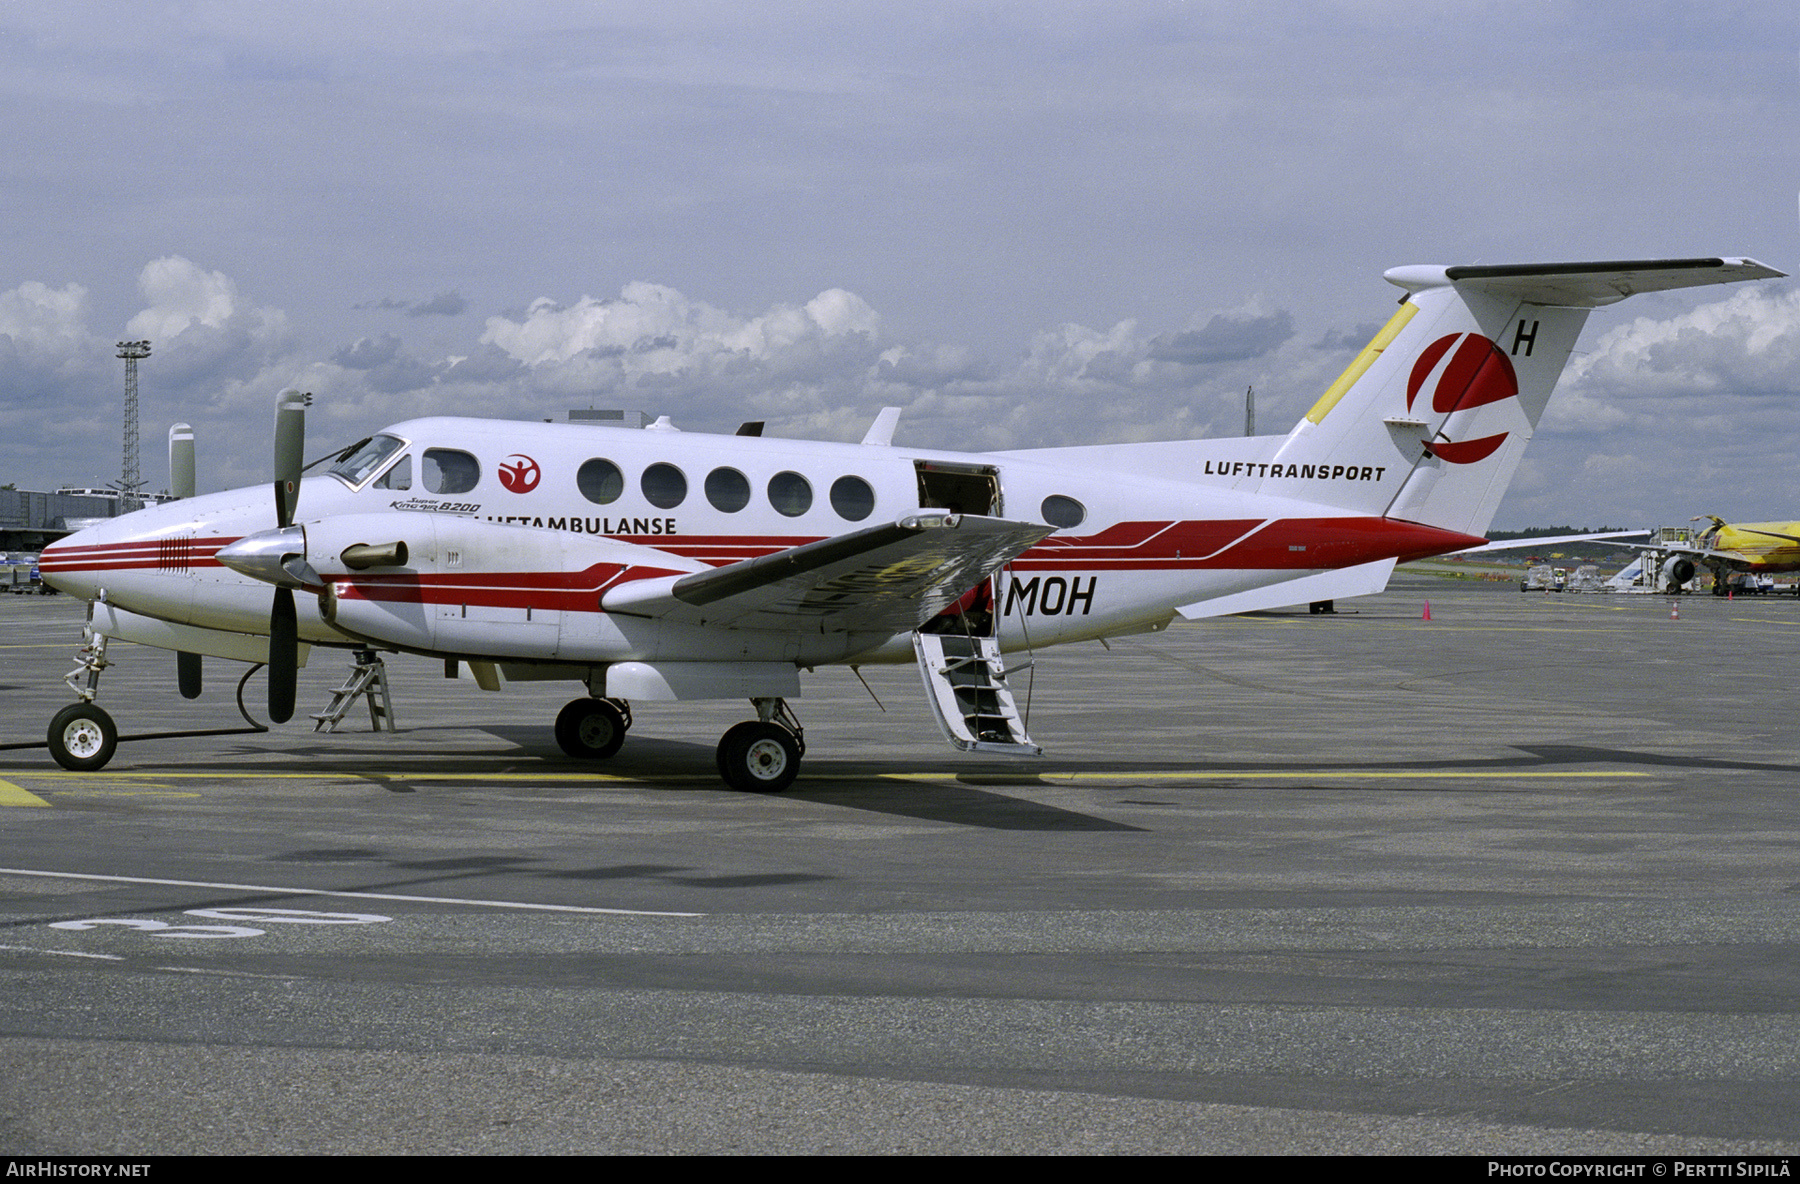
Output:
x=273 y=556
x=63 y=566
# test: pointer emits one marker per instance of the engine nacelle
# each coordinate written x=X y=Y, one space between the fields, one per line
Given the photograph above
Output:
x=444 y=584
x=1677 y=570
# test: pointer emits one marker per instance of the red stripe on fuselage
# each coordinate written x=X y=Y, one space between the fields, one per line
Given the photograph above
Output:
x=1280 y=544
x=137 y=555
x=1252 y=544
x=560 y=591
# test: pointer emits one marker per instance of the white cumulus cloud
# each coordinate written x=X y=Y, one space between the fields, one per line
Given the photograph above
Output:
x=44 y=320
x=654 y=329
x=181 y=294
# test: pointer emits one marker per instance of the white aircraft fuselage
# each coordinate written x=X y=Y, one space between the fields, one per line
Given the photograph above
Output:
x=1148 y=541
x=664 y=564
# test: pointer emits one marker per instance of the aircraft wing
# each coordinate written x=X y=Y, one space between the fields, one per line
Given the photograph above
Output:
x=1557 y=540
x=883 y=579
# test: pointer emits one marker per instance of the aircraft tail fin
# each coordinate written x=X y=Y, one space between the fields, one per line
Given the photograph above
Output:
x=1430 y=421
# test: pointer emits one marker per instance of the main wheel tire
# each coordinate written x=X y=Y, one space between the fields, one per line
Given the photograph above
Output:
x=590 y=729
x=758 y=757
x=82 y=737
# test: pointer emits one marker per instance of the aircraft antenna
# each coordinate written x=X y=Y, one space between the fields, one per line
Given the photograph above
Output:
x=131 y=477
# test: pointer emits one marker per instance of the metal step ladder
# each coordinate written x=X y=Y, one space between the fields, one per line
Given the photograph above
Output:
x=368 y=679
x=966 y=683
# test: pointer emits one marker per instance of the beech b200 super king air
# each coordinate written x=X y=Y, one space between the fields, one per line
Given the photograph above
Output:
x=666 y=565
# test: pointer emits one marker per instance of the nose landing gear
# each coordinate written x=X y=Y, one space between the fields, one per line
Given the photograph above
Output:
x=82 y=736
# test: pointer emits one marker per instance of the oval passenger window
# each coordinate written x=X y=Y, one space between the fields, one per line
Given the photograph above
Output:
x=790 y=494
x=664 y=485
x=852 y=498
x=600 y=481
x=1063 y=511
x=727 y=490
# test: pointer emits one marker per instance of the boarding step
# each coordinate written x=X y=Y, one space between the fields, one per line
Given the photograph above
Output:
x=368 y=680
x=966 y=683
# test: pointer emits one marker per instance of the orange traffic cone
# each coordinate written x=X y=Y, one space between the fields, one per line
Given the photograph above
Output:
x=1674 y=610
x=1427 y=615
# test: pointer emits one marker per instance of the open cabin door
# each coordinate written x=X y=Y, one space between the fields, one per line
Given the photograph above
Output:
x=959 y=650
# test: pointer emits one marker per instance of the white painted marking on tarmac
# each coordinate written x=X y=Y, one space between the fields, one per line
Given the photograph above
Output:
x=66 y=953
x=162 y=928
x=290 y=891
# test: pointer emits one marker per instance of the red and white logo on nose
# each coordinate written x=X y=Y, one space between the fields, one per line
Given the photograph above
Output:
x=520 y=473
x=1478 y=373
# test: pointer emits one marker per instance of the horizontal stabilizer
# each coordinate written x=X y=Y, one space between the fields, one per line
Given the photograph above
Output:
x=889 y=579
x=1584 y=285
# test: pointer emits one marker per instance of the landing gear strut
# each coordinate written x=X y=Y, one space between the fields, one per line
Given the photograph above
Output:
x=82 y=737
x=762 y=755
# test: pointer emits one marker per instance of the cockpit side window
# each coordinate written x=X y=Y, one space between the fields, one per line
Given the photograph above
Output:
x=354 y=468
x=398 y=476
x=448 y=470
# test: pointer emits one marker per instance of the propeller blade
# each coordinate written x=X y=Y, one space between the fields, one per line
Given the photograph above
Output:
x=290 y=444
x=181 y=460
x=284 y=656
x=187 y=674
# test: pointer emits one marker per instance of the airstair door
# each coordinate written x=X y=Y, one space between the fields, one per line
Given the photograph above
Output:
x=966 y=683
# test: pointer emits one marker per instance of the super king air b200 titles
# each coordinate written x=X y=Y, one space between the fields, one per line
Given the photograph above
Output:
x=665 y=565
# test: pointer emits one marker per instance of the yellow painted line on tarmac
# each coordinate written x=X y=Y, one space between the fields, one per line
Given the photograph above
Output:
x=120 y=793
x=13 y=795
x=1264 y=775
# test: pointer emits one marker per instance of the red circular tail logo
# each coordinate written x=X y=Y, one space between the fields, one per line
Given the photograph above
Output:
x=1478 y=373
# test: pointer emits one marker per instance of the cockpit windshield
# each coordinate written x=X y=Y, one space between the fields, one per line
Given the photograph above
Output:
x=354 y=467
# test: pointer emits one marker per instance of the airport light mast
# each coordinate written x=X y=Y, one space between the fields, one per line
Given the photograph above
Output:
x=131 y=478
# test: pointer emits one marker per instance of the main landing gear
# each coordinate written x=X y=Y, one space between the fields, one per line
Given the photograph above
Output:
x=593 y=729
x=760 y=755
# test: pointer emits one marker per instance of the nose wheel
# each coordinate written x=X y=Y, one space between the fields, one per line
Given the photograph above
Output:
x=82 y=737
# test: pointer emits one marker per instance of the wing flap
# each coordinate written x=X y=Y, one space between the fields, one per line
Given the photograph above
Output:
x=890 y=578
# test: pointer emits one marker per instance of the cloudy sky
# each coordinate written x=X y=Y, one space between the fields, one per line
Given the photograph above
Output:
x=1026 y=223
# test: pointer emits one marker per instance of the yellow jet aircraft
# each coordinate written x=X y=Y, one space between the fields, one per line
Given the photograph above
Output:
x=1758 y=548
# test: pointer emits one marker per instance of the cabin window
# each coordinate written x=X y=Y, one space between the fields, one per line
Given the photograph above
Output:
x=449 y=470
x=852 y=498
x=727 y=490
x=790 y=494
x=358 y=461
x=600 y=481
x=664 y=486
x=399 y=476
x=1063 y=511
